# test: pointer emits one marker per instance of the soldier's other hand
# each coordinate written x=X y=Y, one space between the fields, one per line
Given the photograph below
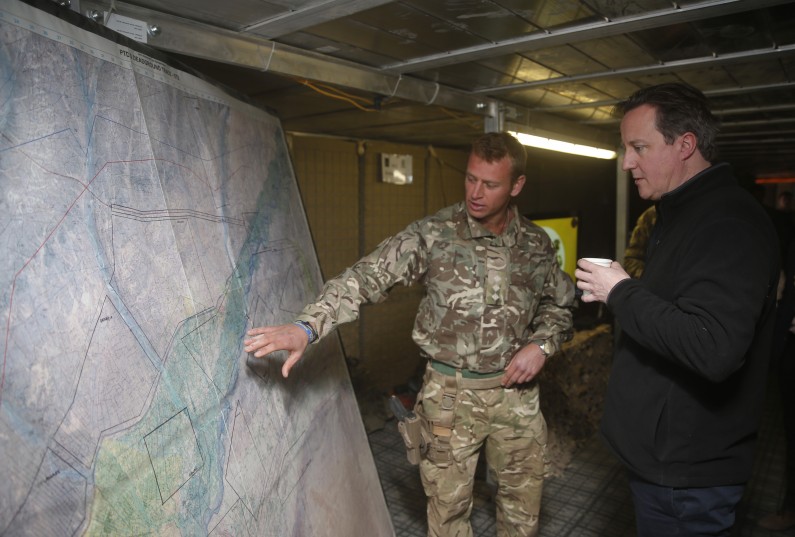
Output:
x=285 y=337
x=524 y=365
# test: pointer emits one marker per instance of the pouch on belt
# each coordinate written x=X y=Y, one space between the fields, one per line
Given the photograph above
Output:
x=411 y=430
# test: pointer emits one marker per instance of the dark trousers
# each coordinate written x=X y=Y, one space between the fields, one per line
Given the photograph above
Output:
x=666 y=511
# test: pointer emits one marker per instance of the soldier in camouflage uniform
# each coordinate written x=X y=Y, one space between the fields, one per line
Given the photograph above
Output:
x=635 y=254
x=496 y=305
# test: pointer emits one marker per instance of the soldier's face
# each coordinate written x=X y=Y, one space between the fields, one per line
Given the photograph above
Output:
x=489 y=190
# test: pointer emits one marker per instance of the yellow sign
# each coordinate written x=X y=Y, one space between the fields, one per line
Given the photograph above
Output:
x=563 y=232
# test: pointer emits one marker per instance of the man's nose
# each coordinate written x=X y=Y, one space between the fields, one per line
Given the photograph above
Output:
x=627 y=163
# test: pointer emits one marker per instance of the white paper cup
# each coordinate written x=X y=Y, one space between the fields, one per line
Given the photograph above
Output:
x=602 y=262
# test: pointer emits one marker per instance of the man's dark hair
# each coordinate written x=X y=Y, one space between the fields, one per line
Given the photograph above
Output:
x=680 y=108
x=495 y=146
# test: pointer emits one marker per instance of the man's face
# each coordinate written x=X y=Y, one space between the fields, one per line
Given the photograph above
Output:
x=489 y=190
x=656 y=166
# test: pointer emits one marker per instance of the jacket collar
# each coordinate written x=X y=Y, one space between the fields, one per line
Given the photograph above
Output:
x=469 y=228
x=701 y=184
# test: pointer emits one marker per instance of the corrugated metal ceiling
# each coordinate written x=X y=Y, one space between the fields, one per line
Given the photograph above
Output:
x=433 y=71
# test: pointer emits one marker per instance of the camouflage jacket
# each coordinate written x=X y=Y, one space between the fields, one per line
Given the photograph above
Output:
x=635 y=254
x=486 y=296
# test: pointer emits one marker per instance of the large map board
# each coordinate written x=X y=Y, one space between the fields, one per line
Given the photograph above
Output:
x=147 y=219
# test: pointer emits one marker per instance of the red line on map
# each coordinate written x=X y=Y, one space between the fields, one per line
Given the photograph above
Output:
x=24 y=266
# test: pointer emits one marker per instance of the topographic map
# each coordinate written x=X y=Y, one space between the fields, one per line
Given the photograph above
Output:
x=147 y=219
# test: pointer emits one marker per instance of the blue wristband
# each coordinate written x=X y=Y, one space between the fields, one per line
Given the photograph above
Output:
x=311 y=336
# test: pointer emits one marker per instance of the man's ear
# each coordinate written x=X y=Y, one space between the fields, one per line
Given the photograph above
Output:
x=517 y=186
x=689 y=145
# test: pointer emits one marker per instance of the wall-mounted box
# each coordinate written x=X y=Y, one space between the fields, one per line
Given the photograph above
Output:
x=396 y=169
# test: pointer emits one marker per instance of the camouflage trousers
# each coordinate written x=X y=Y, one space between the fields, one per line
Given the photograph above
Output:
x=509 y=423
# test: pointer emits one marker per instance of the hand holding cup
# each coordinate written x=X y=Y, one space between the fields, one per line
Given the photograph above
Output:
x=596 y=277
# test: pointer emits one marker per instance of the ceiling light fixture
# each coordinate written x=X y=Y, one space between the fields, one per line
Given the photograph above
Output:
x=565 y=147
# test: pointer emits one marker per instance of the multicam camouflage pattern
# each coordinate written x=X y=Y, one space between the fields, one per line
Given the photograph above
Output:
x=635 y=254
x=508 y=421
x=486 y=296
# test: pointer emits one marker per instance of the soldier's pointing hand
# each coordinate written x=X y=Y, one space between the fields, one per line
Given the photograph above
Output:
x=286 y=337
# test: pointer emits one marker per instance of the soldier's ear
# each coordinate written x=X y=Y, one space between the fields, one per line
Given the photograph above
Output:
x=517 y=186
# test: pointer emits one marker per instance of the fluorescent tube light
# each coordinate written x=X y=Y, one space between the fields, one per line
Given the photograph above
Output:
x=565 y=147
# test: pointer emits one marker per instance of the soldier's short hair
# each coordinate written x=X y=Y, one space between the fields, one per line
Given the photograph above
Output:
x=495 y=146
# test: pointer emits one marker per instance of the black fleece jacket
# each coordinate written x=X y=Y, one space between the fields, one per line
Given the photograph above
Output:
x=689 y=373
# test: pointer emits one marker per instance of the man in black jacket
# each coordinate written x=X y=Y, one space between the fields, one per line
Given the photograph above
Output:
x=689 y=374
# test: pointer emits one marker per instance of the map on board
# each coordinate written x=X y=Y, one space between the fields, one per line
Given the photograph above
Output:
x=147 y=220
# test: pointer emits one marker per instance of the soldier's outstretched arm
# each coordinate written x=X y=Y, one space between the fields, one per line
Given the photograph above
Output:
x=285 y=337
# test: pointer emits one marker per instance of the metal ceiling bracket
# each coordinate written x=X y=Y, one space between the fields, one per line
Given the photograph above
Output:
x=495 y=117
